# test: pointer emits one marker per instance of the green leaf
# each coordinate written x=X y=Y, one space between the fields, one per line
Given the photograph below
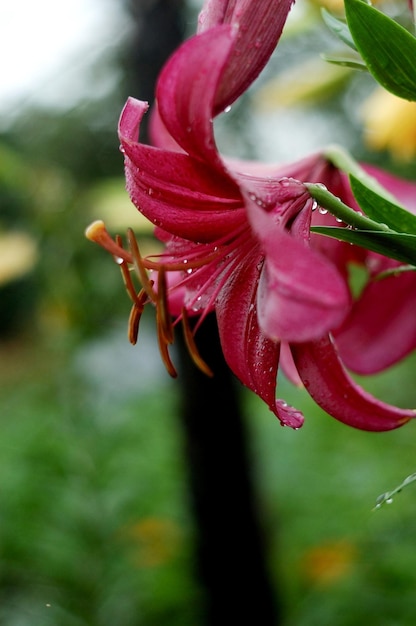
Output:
x=339 y=28
x=380 y=209
x=387 y=48
x=354 y=63
x=398 y=246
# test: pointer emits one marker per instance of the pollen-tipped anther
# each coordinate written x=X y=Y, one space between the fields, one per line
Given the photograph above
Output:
x=98 y=233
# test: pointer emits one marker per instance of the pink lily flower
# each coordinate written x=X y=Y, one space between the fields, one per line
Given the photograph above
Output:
x=237 y=234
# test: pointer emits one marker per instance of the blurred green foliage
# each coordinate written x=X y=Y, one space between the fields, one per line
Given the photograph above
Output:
x=95 y=522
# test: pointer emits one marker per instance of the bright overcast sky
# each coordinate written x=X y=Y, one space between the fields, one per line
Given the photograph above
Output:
x=46 y=46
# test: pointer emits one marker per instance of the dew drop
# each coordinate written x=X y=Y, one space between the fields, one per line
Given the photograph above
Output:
x=322 y=211
x=227 y=109
x=389 y=500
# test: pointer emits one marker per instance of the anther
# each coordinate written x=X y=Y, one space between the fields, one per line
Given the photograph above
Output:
x=98 y=233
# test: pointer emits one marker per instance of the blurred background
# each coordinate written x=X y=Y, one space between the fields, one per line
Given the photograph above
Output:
x=101 y=521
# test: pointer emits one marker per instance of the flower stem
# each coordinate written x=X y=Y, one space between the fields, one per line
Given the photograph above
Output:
x=342 y=211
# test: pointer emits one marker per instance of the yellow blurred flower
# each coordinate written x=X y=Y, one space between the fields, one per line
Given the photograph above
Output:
x=390 y=124
x=334 y=6
x=310 y=81
x=18 y=255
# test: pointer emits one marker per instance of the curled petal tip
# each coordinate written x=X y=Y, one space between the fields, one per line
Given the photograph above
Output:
x=327 y=381
x=288 y=415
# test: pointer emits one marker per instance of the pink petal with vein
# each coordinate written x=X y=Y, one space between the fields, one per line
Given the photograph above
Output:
x=251 y=356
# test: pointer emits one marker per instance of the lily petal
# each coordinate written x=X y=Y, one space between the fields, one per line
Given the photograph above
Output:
x=301 y=295
x=251 y=356
x=180 y=194
x=186 y=92
x=327 y=381
x=380 y=329
x=257 y=27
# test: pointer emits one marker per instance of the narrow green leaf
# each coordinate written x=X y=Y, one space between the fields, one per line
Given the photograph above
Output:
x=398 y=246
x=387 y=48
x=379 y=209
x=339 y=28
x=387 y=498
x=354 y=63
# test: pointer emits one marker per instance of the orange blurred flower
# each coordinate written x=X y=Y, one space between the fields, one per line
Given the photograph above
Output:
x=327 y=563
x=154 y=540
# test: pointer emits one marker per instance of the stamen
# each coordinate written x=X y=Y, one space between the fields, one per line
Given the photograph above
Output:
x=125 y=273
x=135 y=316
x=191 y=345
x=98 y=233
x=139 y=266
x=163 y=348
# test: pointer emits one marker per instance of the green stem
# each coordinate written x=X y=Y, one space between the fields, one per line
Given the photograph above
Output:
x=342 y=211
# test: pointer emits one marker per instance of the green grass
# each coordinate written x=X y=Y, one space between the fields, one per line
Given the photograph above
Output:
x=95 y=528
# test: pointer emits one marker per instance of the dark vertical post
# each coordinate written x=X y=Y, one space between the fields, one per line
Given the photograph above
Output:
x=230 y=542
